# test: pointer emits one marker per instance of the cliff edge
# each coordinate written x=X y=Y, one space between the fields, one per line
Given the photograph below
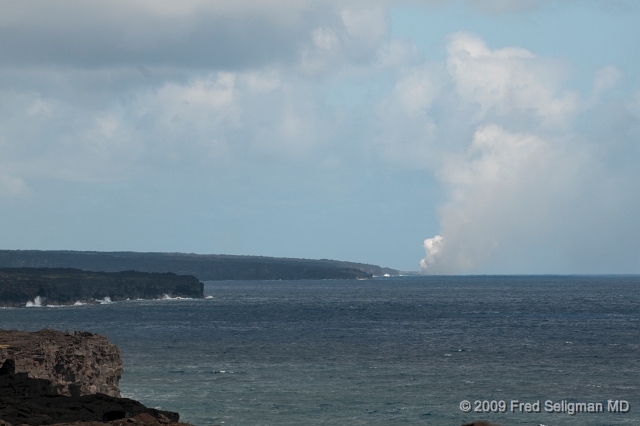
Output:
x=76 y=364
x=66 y=286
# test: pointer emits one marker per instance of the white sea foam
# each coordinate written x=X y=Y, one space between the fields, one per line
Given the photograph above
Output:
x=79 y=303
x=209 y=297
x=37 y=302
x=167 y=297
x=105 y=301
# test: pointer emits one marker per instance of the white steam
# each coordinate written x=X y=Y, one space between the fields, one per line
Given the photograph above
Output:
x=524 y=187
x=432 y=247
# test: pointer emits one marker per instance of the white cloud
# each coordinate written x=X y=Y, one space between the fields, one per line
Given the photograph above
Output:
x=510 y=6
x=507 y=81
x=406 y=132
x=206 y=105
x=366 y=24
x=142 y=87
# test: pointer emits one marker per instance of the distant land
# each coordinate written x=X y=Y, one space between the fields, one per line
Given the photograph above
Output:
x=66 y=286
x=205 y=267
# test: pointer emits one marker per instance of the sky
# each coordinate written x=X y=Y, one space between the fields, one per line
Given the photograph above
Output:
x=445 y=136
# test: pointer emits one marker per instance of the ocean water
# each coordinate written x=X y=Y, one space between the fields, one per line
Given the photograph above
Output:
x=389 y=351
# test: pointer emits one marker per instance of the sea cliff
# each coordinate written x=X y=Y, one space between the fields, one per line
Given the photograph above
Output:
x=75 y=363
x=64 y=286
x=51 y=377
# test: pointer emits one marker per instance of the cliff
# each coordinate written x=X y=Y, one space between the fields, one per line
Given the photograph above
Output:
x=18 y=286
x=75 y=363
x=204 y=267
x=50 y=377
x=24 y=400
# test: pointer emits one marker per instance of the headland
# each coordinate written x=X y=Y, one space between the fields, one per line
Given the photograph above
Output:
x=205 y=267
x=65 y=286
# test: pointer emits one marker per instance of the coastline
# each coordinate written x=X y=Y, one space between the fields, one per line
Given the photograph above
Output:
x=68 y=286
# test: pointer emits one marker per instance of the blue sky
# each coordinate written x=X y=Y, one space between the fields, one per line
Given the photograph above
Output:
x=486 y=136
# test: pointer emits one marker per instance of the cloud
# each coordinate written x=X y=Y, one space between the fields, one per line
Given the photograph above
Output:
x=46 y=137
x=505 y=81
x=196 y=33
x=144 y=89
x=353 y=40
x=103 y=97
x=225 y=35
x=406 y=132
x=511 y=6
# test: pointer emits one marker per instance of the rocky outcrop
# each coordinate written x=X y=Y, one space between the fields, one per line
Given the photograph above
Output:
x=143 y=419
x=30 y=401
x=64 y=286
x=54 y=378
x=76 y=364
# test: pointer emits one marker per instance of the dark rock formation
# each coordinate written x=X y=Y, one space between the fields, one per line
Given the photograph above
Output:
x=204 y=267
x=67 y=286
x=139 y=420
x=73 y=364
x=25 y=400
x=49 y=377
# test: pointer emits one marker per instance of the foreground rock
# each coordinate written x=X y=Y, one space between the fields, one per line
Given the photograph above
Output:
x=49 y=377
x=64 y=286
x=139 y=420
x=75 y=363
x=24 y=400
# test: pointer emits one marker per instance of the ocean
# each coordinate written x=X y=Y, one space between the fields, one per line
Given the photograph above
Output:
x=387 y=351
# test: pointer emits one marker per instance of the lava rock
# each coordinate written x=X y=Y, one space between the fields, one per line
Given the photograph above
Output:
x=35 y=402
x=66 y=286
x=76 y=364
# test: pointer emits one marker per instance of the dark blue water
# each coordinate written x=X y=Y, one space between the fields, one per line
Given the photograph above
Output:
x=395 y=351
